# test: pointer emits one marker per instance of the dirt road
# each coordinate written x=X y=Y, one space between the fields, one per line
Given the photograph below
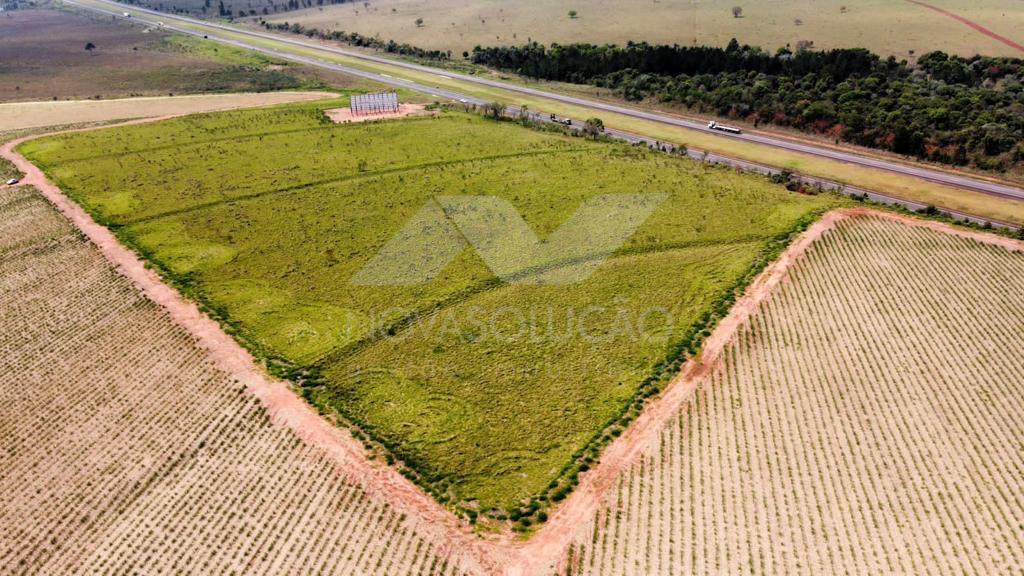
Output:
x=971 y=24
x=284 y=405
x=499 y=554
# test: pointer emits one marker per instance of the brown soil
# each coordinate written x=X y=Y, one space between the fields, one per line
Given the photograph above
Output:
x=345 y=115
x=549 y=545
x=44 y=57
x=28 y=115
x=499 y=554
x=285 y=407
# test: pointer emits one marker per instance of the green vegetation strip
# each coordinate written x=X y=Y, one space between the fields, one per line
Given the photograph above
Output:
x=493 y=396
x=900 y=186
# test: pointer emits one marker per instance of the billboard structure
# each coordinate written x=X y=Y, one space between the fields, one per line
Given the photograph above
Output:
x=378 y=103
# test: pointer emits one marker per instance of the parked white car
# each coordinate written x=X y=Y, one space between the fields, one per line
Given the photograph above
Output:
x=12 y=181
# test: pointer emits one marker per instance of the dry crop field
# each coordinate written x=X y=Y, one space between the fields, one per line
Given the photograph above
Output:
x=127 y=450
x=884 y=26
x=18 y=116
x=271 y=241
x=865 y=421
x=43 y=56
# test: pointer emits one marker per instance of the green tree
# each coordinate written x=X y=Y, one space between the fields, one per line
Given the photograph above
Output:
x=495 y=110
x=593 y=127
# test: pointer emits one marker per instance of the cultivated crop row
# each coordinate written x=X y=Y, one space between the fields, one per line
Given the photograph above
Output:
x=125 y=450
x=866 y=421
x=271 y=220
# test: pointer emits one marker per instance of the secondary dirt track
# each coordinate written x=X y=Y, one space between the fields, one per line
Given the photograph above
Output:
x=971 y=24
x=499 y=554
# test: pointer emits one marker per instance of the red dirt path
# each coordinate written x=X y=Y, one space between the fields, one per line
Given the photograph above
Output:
x=549 y=546
x=497 y=554
x=972 y=24
x=285 y=407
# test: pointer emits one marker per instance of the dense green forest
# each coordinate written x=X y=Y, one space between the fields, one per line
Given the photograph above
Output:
x=962 y=111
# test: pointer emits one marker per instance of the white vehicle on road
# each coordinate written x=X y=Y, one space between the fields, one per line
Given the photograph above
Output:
x=12 y=181
x=126 y=15
x=723 y=128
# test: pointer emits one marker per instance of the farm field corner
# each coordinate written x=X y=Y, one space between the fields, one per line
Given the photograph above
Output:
x=265 y=216
x=130 y=448
x=865 y=416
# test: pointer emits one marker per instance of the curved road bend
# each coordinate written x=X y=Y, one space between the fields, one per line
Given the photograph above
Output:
x=921 y=172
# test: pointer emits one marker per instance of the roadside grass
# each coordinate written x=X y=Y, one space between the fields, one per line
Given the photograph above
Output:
x=8 y=170
x=263 y=216
x=900 y=186
x=214 y=51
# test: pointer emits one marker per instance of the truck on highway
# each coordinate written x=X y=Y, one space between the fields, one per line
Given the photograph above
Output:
x=564 y=122
x=723 y=128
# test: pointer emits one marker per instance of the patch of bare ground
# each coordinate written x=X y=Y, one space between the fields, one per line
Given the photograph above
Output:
x=853 y=415
x=23 y=115
x=345 y=115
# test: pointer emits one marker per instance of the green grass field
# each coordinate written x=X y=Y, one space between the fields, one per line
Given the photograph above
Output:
x=884 y=26
x=491 y=391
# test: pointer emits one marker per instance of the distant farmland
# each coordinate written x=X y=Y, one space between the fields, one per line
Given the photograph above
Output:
x=126 y=449
x=863 y=422
x=44 y=57
x=266 y=215
x=884 y=26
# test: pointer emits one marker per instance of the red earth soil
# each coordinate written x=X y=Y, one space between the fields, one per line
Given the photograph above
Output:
x=285 y=407
x=497 y=554
x=345 y=115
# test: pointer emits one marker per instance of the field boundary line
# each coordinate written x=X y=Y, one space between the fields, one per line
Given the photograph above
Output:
x=285 y=408
x=971 y=24
x=214 y=140
x=978 y=236
x=498 y=554
x=344 y=179
x=415 y=317
x=547 y=549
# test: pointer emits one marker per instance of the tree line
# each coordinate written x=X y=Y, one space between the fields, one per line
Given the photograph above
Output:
x=950 y=109
x=356 y=39
x=230 y=10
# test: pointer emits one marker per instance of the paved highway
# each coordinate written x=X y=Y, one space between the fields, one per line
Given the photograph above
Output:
x=169 y=22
